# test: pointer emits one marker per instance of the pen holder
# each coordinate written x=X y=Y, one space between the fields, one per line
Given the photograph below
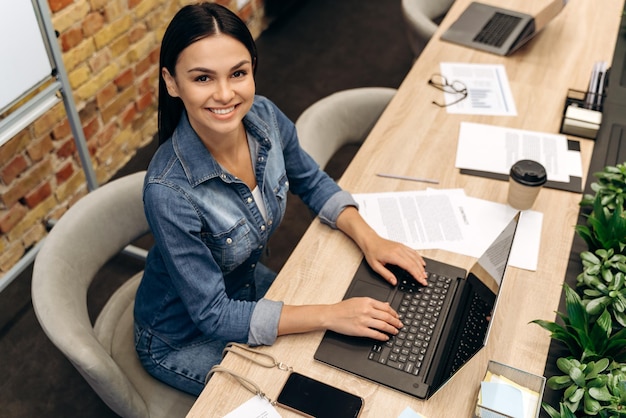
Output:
x=582 y=114
x=531 y=382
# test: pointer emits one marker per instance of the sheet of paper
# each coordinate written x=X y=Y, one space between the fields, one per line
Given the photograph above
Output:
x=495 y=149
x=502 y=398
x=530 y=398
x=487 y=219
x=448 y=219
x=423 y=219
x=410 y=413
x=488 y=89
x=255 y=407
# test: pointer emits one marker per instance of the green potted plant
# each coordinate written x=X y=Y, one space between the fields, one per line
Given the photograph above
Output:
x=593 y=328
x=597 y=351
x=606 y=223
x=605 y=228
x=610 y=187
x=603 y=283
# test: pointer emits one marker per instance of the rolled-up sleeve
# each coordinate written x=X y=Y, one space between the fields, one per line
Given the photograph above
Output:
x=264 y=322
x=334 y=206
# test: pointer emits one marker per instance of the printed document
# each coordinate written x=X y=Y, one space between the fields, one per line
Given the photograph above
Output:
x=488 y=89
x=451 y=221
x=495 y=149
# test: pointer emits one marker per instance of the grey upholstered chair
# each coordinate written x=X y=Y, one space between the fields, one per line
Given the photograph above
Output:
x=96 y=228
x=341 y=118
x=420 y=18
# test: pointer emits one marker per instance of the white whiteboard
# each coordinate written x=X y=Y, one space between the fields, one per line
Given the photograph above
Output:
x=24 y=61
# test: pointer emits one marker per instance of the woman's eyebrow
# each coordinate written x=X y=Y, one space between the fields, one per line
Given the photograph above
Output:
x=209 y=71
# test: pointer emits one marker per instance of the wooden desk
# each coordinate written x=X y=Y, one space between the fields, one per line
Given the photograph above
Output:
x=417 y=138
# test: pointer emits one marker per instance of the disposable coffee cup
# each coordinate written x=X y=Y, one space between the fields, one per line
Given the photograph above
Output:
x=525 y=180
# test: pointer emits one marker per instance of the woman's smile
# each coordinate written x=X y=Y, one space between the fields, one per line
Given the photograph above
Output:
x=222 y=111
x=214 y=79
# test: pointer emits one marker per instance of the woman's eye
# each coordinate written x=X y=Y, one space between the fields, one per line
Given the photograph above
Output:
x=202 y=78
x=238 y=74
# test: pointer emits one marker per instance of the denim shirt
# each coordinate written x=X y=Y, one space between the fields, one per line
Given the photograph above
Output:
x=209 y=233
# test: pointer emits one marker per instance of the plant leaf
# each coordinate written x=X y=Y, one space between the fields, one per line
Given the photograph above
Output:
x=590 y=405
x=597 y=305
x=600 y=393
x=575 y=310
x=565 y=365
x=559 y=382
x=577 y=376
x=598 y=367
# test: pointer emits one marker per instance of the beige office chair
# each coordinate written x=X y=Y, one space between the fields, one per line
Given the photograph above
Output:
x=420 y=18
x=341 y=118
x=96 y=228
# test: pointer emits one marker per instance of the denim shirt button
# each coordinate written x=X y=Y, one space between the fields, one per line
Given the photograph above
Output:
x=252 y=266
x=270 y=222
x=249 y=200
x=229 y=241
x=247 y=285
x=262 y=227
x=261 y=247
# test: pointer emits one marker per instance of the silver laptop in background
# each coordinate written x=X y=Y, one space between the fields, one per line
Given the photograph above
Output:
x=498 y=30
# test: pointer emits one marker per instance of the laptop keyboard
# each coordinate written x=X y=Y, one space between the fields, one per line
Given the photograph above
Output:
x=497 y=29
x=419 y=312
x=474 y=330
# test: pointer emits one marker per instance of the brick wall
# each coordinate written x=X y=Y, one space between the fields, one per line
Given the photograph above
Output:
x=111 y=52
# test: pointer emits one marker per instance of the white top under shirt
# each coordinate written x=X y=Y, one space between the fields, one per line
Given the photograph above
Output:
x=256 y=192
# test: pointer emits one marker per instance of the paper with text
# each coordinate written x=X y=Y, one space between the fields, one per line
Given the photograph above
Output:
x=488 y=90
x=495 y=149
x=421 y=220
x=447 y=219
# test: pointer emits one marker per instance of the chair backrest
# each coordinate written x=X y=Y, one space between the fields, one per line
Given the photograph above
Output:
x=419 y=17
x=341 y=118
x=91 y=232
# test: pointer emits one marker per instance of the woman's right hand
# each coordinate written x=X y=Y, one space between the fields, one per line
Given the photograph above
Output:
x=364 y=317
x=359 y=317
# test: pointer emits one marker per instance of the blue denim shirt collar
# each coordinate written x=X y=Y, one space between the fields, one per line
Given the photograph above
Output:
x=197 y=162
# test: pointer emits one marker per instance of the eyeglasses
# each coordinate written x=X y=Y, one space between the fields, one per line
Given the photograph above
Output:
x=456 y=87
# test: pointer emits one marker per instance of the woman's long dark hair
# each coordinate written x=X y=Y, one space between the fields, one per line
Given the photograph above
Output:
x=190 y=24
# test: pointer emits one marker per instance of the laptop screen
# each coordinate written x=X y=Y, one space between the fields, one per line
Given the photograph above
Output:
x=548 y=13
x=491 y=266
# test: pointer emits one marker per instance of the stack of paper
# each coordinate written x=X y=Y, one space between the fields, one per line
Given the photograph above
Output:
x=506 y=397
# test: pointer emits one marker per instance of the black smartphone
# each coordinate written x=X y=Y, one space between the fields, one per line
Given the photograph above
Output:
x=317 y=399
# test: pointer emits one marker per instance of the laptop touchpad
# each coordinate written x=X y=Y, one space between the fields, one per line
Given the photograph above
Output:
x=360 y=288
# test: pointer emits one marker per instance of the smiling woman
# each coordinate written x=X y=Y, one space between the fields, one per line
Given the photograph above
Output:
x=214 y=79
x=215 y=83
x=215 y=192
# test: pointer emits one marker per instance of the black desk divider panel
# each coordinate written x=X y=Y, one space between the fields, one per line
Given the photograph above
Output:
x=609 y=149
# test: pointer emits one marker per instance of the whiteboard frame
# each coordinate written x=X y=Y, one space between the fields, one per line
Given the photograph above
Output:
x=58 y=90
x=21 y=76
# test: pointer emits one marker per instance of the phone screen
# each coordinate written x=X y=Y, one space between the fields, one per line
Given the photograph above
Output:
x=318 y=399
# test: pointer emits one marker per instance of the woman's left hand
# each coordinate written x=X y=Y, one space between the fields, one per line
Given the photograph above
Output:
x=384 y=252
x=379 y=251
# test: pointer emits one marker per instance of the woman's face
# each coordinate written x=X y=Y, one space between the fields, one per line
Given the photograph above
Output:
x=215 y=81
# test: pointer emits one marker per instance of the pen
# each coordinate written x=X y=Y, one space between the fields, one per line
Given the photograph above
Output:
x=393 y=176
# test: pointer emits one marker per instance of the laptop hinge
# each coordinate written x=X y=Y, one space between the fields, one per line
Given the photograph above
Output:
x=447 y=335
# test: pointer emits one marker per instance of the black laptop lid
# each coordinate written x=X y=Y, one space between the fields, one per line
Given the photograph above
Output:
x=484 y=281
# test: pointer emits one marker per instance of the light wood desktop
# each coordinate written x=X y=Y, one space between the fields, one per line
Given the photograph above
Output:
x=416 y=138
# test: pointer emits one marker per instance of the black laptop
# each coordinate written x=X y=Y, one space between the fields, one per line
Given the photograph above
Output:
x=445 y=323
x=498 y=30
